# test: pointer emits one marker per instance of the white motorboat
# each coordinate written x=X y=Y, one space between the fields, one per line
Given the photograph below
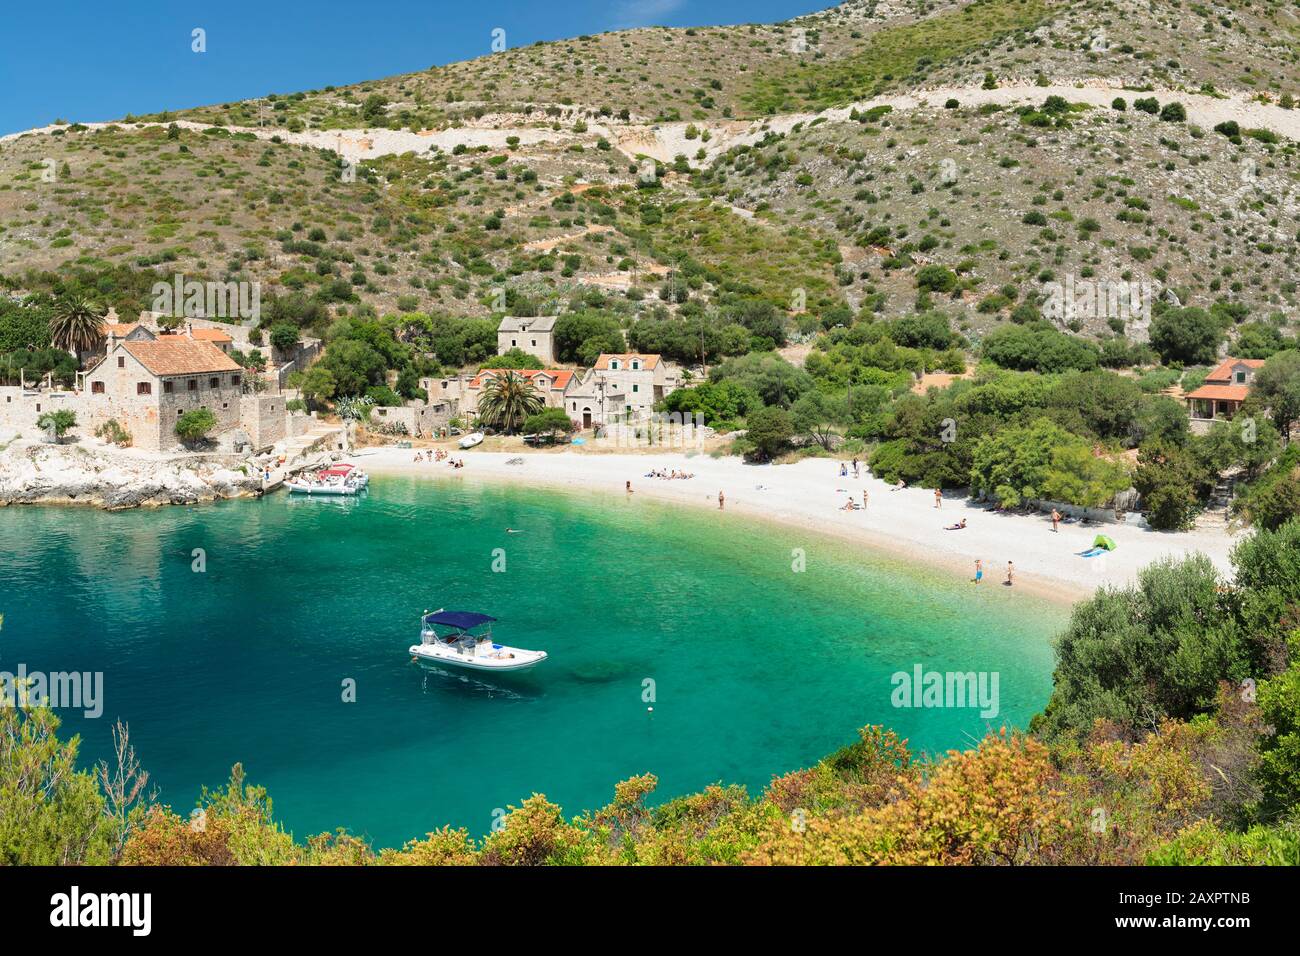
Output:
x=472 y=439
x=341 y=479
x=459 y=646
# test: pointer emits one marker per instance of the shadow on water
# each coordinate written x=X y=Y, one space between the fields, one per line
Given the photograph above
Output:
x=438 y=679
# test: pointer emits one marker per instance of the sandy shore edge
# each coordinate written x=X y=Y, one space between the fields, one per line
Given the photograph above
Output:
x=808 y=496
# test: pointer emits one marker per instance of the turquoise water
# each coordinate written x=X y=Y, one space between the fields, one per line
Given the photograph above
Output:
x=756 y=669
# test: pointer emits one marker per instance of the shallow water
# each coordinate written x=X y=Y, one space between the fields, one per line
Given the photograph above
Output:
x=755 y=668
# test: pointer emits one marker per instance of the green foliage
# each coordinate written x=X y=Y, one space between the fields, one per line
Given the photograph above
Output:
x=1188 y=336
x=24 y=325
x=1276 y=387
x=195 y=425
x=892 y=53
x=549 y=422
x=769 y=431
x=507 y=400
x=59 y=422
x=820 y=415
x=1135 y=655
x=1170 y=480
x=580 y=337
x=1038 y=347
x=723 y=401
x=284 y=336
x=1279 y=703
x=51 y=813
x=1041 y=460
x=515 y=358
x=775 y=380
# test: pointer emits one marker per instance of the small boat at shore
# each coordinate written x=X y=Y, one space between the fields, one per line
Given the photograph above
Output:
x=460 y=646
x=469 y=441
x=340 y=479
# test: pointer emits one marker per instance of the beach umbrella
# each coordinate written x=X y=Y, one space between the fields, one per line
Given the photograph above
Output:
x=1102 y=541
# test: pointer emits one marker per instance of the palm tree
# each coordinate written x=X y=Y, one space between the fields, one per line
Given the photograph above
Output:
x=76 y=325
x=507 y=400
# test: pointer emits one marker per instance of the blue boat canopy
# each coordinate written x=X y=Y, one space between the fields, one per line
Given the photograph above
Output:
x=463 y=620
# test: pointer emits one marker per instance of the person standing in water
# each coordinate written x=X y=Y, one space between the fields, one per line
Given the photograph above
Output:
x=979 y=570
x=629 y=487
x=721 y=500
x=1010 y=573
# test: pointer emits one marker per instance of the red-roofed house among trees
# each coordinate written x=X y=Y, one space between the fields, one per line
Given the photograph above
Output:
x=1221 y=395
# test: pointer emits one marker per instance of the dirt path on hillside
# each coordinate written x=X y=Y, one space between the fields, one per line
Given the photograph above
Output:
x=665 y=141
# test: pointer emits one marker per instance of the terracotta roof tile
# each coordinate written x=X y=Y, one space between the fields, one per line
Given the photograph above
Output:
x=1230 y=393
x=560 y=377
x=602 y=363
x=1224 y=372
x=180 y=355
x=209 y=335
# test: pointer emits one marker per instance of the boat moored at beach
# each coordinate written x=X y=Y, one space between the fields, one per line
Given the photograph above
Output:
x=466 y=642
x=470 y=440
x=340 y=479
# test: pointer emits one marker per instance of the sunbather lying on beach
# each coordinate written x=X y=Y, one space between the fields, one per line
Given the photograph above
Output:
x=956 y=527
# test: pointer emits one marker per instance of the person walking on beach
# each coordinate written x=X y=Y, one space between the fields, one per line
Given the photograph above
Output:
x=864 y=498
x=979 y=570
x=938 y=498
x=629 y=486
x=1010 y=573
x=1056 y=520
x=721 y=500
x=855 y=468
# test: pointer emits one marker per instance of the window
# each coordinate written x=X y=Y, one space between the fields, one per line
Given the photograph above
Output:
x=613 y=366
x=1241 y=378
x=636 y=388
x=193 y=385
x=234 y=380
x=225 y=404
x=534 y=343
x=214 y=383
x=143 y=388
x=96 y=388
x=167 y=388
x=635 y=365
x=121 y=361
x=38 y=407
x=513 y=342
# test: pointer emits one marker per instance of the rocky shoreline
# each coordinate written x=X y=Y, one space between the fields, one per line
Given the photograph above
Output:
x=40 y=473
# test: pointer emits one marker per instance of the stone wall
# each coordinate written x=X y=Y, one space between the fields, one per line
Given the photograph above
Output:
x=420 y=420
x=264 y=419
x=150 y=418
x=20 y=407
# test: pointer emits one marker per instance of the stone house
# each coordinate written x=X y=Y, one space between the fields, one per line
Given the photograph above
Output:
x=532 y=334
x=464 y=391
x=146 y=385
x=621 y=387
x=1222 y=393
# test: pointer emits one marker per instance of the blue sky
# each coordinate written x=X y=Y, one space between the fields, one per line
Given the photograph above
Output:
x=82 y=60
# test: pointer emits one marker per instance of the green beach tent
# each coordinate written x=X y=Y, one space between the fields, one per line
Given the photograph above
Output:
x=1102 y=541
